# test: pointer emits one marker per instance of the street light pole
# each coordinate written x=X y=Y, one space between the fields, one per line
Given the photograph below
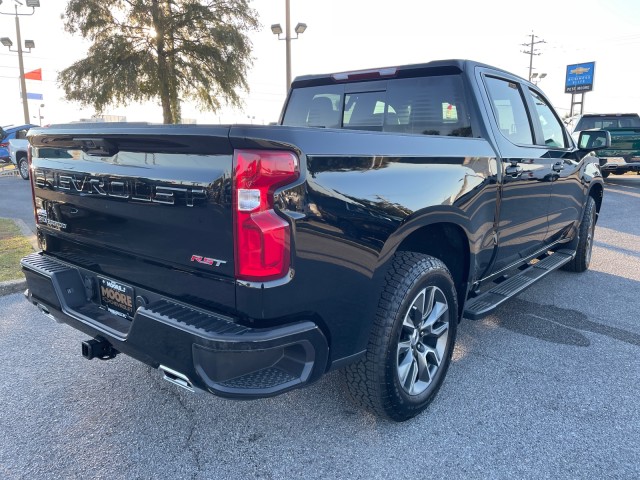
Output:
x=276 y=29
x=288 y=42
x=23 y=83
x=7 y=42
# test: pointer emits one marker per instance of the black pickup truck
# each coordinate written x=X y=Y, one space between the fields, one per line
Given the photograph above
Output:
x=249 y=260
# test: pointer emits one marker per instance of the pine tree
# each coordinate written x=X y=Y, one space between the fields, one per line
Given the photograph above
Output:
x=166 y=49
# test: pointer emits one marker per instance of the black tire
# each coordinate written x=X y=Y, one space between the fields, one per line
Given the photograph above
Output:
x=582 y=260
x=411 y=342
x=23 y=167
x=605 y=174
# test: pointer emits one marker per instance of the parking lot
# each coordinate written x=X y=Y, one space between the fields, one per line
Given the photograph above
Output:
x=547 y=387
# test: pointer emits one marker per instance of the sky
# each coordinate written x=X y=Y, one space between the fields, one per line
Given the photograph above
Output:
x=345 y=35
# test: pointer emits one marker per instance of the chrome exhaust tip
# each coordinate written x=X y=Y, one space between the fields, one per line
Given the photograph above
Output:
x=176 y=378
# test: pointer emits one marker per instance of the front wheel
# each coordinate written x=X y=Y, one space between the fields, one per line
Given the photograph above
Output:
x=582 y=260
x=23 y=167
x=411 y=341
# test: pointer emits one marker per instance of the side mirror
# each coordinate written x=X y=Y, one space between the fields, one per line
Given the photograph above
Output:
x=594 y=140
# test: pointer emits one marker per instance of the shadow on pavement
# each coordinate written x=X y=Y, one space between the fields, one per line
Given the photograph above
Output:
x=555 y=324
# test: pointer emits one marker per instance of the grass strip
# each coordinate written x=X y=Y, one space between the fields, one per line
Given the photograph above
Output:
x=13 y=246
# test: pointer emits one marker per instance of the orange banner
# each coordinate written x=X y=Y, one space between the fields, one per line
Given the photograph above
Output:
x=34 y=75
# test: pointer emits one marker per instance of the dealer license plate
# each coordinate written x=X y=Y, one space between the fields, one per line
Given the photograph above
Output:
x=117 y=297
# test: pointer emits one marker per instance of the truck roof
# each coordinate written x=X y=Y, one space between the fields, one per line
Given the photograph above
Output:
x=442 y=67
x=610 y=115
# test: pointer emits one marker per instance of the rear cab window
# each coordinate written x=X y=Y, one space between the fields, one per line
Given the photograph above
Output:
x=432 y=105
x=21 y=134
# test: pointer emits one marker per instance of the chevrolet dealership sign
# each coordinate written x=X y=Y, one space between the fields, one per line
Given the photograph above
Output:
x=580 y=77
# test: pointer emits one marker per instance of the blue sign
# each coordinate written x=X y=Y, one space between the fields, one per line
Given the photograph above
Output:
x=580 y=77
x=34 y=96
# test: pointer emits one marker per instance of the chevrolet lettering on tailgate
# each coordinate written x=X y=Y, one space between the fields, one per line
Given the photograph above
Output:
x=130 y=189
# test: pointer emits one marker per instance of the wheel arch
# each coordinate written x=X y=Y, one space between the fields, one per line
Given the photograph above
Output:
x=448 y=242
x=597 y=193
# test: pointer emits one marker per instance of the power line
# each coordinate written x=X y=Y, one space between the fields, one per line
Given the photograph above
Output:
x=532 y=51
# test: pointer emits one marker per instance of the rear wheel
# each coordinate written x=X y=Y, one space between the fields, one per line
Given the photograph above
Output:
x=411 y=341
x=23 y=167
x=582 y=260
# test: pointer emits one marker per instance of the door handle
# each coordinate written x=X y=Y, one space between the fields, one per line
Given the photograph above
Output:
x=557 y=167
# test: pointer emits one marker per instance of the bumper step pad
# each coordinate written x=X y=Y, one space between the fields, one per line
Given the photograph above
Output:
x=484 y=304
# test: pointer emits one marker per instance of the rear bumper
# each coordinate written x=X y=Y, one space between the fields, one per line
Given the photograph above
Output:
x=619 y=164
x=202 y=349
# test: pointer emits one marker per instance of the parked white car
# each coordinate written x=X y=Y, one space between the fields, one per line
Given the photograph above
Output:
x=18 y=155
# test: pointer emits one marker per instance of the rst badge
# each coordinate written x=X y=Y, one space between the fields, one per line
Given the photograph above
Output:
x=214 y=262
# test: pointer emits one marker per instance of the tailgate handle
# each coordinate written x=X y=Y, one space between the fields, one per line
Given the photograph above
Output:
x=97 y=146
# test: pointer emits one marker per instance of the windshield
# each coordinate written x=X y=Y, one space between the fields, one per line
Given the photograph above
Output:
x=604 y=122
x=425 y=106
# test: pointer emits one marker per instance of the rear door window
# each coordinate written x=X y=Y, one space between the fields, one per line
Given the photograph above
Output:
x=552 y=130
x=510 y=110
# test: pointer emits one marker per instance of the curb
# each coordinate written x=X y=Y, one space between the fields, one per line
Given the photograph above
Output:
x=12 y=286
x=8 y=171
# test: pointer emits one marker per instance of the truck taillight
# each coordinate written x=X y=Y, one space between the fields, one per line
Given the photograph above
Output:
x=262 y=237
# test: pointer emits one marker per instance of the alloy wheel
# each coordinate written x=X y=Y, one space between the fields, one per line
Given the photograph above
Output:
x=423 y=340
x=24 y=169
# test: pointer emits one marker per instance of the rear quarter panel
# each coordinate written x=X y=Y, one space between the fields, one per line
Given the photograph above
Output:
x=360 y=195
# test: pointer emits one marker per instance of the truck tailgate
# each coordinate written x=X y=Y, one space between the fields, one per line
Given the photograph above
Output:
x=158 y=196
x=625 y=142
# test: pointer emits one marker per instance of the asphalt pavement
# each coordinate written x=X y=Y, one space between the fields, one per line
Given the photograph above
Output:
x=547 y=387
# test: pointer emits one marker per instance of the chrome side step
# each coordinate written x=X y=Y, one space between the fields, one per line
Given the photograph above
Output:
x=482 y=305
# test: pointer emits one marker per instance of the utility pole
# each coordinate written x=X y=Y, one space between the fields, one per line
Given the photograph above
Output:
x=532 y=51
